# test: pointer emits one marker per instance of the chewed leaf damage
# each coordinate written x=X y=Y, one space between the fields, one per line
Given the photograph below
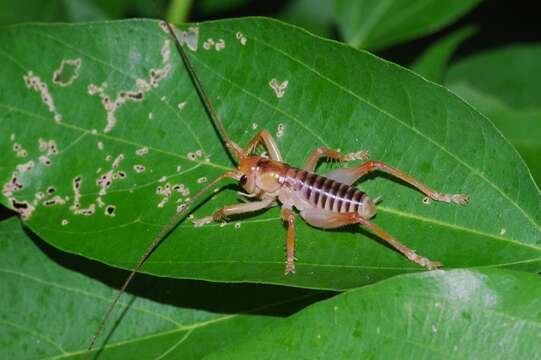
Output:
x=35 y=83
x=39 y=162
x=67 y=73
x=142 y=86
x=279 y=89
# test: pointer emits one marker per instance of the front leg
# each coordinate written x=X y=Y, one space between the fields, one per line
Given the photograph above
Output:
x=265 y=137
x=234 y=210
x=311 y=162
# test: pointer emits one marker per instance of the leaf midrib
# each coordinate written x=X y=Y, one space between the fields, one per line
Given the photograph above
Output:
x=211 y=164
x=278 y=219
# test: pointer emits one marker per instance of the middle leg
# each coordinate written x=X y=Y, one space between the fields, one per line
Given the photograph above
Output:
x=311 y=162
x=234 y=210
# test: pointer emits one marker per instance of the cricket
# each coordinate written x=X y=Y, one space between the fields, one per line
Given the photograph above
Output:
x=326 y=201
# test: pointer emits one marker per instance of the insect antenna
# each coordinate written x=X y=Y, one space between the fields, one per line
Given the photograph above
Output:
x=181 y=212
x=234 y=150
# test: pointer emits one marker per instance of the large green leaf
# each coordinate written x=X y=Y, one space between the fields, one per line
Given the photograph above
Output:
x=49 y=309
x=459 y=314
x=509 y=98
x=376 y=24
x=337 y=97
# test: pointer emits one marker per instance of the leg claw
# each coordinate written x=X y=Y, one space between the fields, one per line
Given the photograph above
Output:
x=359 y=155
x=201 y=222
x=461 y=199
x=290 y=268
x=421 y=260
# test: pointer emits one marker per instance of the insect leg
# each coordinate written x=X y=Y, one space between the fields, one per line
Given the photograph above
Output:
x=311 y=162
x=289 y=217
x=409 y=253
x=350 y=175
x=234 y=210
x=327 y=220
x=265 y=137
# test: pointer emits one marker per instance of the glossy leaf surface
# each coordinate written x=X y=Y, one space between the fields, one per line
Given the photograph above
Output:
x=336 y=97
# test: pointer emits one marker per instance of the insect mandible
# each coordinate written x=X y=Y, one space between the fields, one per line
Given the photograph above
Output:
x=326 y=202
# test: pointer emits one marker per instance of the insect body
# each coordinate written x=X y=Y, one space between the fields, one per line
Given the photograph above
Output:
x=323 y=201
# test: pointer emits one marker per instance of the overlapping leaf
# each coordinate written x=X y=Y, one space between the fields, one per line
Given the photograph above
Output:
x=432 y=64
x=376 y=24
x=336 y=96
x=517 y=87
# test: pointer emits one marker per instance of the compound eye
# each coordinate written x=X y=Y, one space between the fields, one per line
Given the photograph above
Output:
x=243 y=180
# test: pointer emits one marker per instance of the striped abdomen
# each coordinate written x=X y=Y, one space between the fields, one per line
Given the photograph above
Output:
x=325 y=193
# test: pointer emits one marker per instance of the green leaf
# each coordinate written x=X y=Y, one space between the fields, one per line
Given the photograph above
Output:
x=337 y=97
x=509 y=98
x=49 y=309
x=459 y=314
x=377 y=24
x=432 y=64
x=518 y=86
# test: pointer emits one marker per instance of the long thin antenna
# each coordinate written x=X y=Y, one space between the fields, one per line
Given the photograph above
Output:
x=162 y=234
x=233 y=149
x=229 y=144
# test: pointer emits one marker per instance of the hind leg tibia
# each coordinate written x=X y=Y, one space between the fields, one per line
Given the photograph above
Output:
x=328 y=220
